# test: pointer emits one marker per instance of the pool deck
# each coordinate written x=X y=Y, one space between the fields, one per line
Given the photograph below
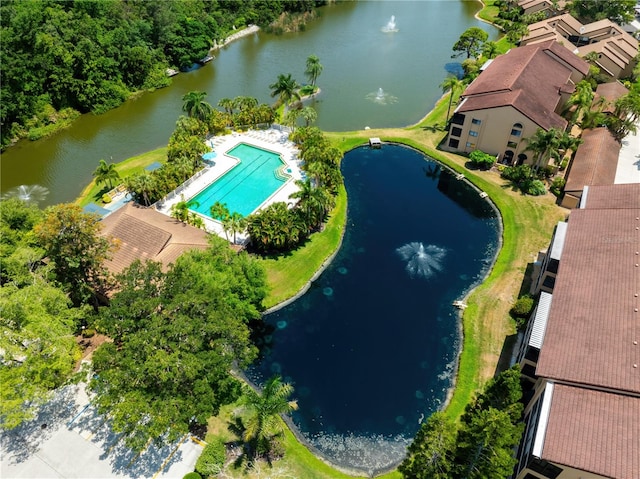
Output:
x=271 y=139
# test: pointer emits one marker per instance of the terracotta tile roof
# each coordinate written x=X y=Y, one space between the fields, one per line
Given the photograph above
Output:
x=613 y=196
x=609 y=92
x=594 y=318
x=528 y=79
x=596 y=160
x=146 y=234
x=594 y=431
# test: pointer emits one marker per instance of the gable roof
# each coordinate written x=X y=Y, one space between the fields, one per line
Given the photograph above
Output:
x=529 y=79
x=612 y=197
x=596 y=160
x=145 y=234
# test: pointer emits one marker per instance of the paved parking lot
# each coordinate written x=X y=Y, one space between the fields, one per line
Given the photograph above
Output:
x=68 y=439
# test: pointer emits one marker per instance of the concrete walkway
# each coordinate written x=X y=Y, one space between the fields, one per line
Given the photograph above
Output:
x=628 y=170
x=69 y=439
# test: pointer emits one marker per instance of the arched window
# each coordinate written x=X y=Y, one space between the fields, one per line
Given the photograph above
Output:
x=516 y=129
x=521 y=158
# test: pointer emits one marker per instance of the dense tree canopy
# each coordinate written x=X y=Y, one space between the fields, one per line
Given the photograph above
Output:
x=480 y=446
x=619 y=11
x=72 y=241
x=90 y=55
x=176 y=338
x=470 y=42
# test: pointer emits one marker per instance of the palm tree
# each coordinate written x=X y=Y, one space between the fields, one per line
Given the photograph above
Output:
x=285 y=88
x=309 y=115
x=581 y=98
x=142 y=186
x=193 y=104
x=234 y=223
x=265 y=407
x=106 y=173
x=228 y=104
x=544 y=143
x=490 y=49
x=451 y=83
x=314 y=203
x=180 y=210
x=314 y=68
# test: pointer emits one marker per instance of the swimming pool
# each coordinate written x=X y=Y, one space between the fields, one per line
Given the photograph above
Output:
x=257 y=175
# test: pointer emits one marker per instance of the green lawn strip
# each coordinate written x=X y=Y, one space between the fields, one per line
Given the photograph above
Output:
x=287 y=274
x=489 y=11
x=130 y=166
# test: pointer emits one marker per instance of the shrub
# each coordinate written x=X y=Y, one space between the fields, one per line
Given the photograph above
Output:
x=88 y=332
x=212 y=458
x=536 y=188
x=557 y=186
x=480 y=159
x=522 y=307
x=106 y=198
x=192 y=475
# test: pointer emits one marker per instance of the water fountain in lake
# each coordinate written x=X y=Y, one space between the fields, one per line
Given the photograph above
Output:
x=422 y=262
x=381 y=97
x=390 y=26
x=27 y=193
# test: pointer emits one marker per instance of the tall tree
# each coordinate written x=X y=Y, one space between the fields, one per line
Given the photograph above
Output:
x=451 y=84
x=309 y=115
x=431 y=454
x=470 y=42
x=285 y=88
x=265 y=407
x=545 y=144
x=581 y=99
x=186 y=330
x=314 y=68
x=37 y=347
x=234 y=223
x=490 y=49
x=72 y=240
x=194 y=105
x=181 y=212
x=106 y=173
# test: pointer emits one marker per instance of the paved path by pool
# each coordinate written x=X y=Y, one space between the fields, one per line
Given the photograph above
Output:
x=77 y=442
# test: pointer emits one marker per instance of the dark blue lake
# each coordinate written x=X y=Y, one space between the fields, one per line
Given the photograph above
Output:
x=371 y=348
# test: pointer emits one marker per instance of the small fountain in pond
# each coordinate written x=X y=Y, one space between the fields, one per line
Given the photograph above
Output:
x=390 y=26
x=422 y=261
x=28 y=193
x=381 y=97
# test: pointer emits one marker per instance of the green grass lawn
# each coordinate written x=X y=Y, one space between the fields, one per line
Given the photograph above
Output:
x=93 y=192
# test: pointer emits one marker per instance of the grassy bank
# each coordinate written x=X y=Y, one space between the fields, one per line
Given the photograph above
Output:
x=93 y=192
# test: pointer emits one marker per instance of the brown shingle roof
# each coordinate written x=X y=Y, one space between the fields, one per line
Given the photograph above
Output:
x=613 y=196
x=596 y=160
x=594 y=318
x=609 y=92
x=146 y=234
x=529 y=79
x=594 y=431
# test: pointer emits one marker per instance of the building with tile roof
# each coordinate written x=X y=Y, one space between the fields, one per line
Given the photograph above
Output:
x=517 y=93
x=145 y=234
x=582 y=419
x=548 y=6
x=616 y=50
x=595 y=163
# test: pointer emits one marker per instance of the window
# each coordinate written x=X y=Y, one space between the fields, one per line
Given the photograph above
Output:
x=543 y=467
x=512 y=144
x=529 y=370
x=516 y=129
x=453 y=143
x=455 y=131
x=476 y=121
x=532 y=354
x=473 y=133
x=470 y=145
x=457 y=119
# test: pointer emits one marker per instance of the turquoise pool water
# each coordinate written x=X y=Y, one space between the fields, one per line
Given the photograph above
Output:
x=245 y=186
